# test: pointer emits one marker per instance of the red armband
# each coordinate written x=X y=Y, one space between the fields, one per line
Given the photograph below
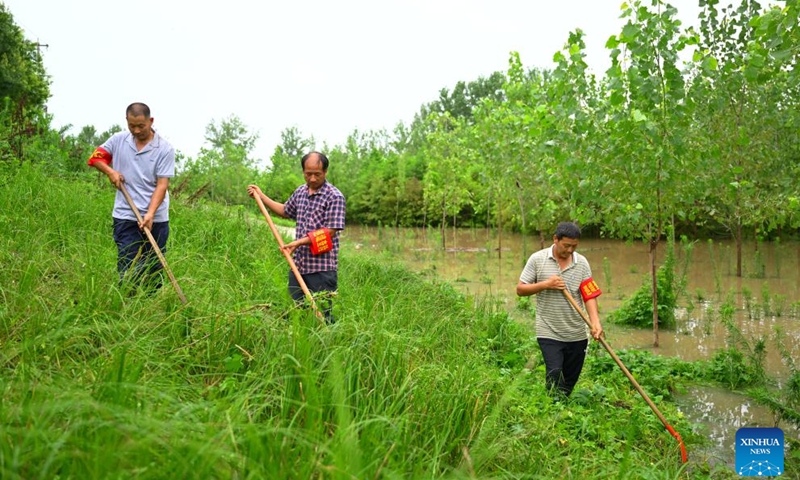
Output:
x=99 y=155
x=589 y=289
x=321 y=241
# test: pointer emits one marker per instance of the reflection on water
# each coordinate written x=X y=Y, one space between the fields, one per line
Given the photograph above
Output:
x=700 y=334
x=767 y=297
x=720 y=413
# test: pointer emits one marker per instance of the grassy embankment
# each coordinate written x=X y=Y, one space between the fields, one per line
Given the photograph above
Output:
x=414 y=381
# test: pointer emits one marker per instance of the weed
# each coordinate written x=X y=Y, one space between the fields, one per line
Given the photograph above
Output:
x=741 y=363
x=715 y=267
x=778 y=304
x=727 y=308
x=785 y=401
x=749 y=305
x=524 y=304
x=700 y=295
x=607 y=274
x=794 y=309
x=638 y=309
x=766 y=300
x=683 y=278
x=758 y=269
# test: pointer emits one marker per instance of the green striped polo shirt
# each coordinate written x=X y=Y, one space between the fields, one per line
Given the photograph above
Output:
x=556 y=319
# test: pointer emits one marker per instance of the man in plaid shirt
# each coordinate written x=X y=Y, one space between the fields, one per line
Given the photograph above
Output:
x=319 y=209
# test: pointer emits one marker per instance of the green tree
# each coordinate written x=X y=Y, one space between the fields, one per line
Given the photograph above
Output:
x=361 y=175
x=79 y=147
x=224 y=168
x=647 y=125
x=778 y=32
x=576 y=132
x=284 y=173
x=511 y=164
x=447 y=182
x=746 y=123
x=22 y=75
x=465 y=97
x=24 y=89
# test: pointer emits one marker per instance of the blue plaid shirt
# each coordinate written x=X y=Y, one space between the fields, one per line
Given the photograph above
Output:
x=322 y=209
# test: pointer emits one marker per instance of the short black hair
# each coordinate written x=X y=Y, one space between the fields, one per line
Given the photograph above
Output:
x=137 y=109
x=321 y=156
x=567 y=229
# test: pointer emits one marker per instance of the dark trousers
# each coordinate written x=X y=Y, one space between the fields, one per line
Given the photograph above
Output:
x=563 y=363
x=132 y=244
x=316 y=282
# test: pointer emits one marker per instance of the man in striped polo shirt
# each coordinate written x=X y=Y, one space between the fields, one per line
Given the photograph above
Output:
x=560 y=330
x=319 y=209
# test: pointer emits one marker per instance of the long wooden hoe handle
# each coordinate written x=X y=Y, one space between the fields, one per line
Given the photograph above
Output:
x=288 y=257
x=630 y=377
x=153 y=243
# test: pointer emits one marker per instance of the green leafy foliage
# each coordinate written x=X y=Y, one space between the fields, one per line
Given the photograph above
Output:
x=506 y=343
x=241 y=383
x=661 y=375
x=741 y=363
x=731 y=367
x=742 y=106
x=223 y=169
x=285 y=173
x=784 y=402
x=637 y=310
x=465 y=97
x=23 y=79
x=24 y=89
x=417 y=382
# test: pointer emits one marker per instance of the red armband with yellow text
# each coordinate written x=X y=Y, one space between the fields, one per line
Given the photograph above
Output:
x=99 y=155
x=321 y=241
x=589 y=289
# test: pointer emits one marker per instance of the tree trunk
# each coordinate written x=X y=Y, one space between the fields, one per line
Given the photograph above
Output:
x=444 y=220
x=522 y=230
x=654 y=277
x=499 y=235
x=738 y=236
x=488 y=216
x=397 y=217
x=425 y=225
x=454 y=232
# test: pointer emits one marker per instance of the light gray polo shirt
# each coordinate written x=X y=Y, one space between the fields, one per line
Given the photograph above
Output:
x=141 y=171
x=556 y=319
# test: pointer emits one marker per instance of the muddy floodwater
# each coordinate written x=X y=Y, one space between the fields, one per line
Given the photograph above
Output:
x=766 y=297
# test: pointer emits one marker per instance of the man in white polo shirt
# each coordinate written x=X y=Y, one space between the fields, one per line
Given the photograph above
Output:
x=144 y=161
x=561 y=331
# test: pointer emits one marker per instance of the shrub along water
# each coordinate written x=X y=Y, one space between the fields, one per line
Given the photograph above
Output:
x=637 y=310
x=414 y=381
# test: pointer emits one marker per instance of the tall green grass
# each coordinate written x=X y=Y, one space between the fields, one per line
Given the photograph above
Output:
x=414 y=380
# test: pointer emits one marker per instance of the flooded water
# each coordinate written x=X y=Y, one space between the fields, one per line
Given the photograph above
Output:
x=722 y=412
x=766 y=297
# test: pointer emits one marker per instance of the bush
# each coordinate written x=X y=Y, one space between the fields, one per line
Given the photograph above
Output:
x=638 y=309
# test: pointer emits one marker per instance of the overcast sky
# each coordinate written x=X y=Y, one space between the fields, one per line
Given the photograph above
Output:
x=325 y=67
